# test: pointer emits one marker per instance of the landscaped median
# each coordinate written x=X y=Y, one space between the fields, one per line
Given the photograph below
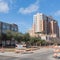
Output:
x=26 y=50
x=18 y=50
x=23 y=52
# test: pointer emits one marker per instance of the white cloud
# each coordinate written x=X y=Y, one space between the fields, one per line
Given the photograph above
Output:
x=4 y=8
x=57 y=13
x=5 y=5
x=31 y=8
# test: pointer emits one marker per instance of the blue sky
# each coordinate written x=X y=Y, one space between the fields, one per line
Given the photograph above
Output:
x=21 y=12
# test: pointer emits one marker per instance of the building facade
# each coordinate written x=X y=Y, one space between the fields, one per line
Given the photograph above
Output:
x=44 y=25
x=54 y=29
x=4 y=27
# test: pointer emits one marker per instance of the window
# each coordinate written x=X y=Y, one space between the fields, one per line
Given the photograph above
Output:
x=4 y=31
x=4 y=26
x=12 y=28
x=15 y=29
x=8 y=27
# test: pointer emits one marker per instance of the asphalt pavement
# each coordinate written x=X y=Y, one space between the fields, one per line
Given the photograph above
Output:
x=41 y=54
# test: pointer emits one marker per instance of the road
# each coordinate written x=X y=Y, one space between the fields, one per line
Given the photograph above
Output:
x=44 y=54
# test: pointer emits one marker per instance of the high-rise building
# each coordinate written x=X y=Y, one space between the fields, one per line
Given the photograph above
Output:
x=44 y=25
x=54 y=29
x=59 y=32
x=41 y=22
x=38 y=22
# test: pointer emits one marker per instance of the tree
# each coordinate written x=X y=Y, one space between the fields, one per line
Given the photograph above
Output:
x=9 y=34
x=43 y=42
x=35 y=41
x=18 y=36
x=26 y=37
x=3 y=36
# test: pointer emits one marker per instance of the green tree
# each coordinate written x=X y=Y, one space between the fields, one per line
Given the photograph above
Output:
x=34 y=40
x=26 y=37
x=9 y=34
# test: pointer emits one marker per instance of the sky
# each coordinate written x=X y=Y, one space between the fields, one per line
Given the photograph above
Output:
x=21 y=12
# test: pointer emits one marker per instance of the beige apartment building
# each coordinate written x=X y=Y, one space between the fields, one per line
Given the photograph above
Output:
x=54 y=29
x=44 y=26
